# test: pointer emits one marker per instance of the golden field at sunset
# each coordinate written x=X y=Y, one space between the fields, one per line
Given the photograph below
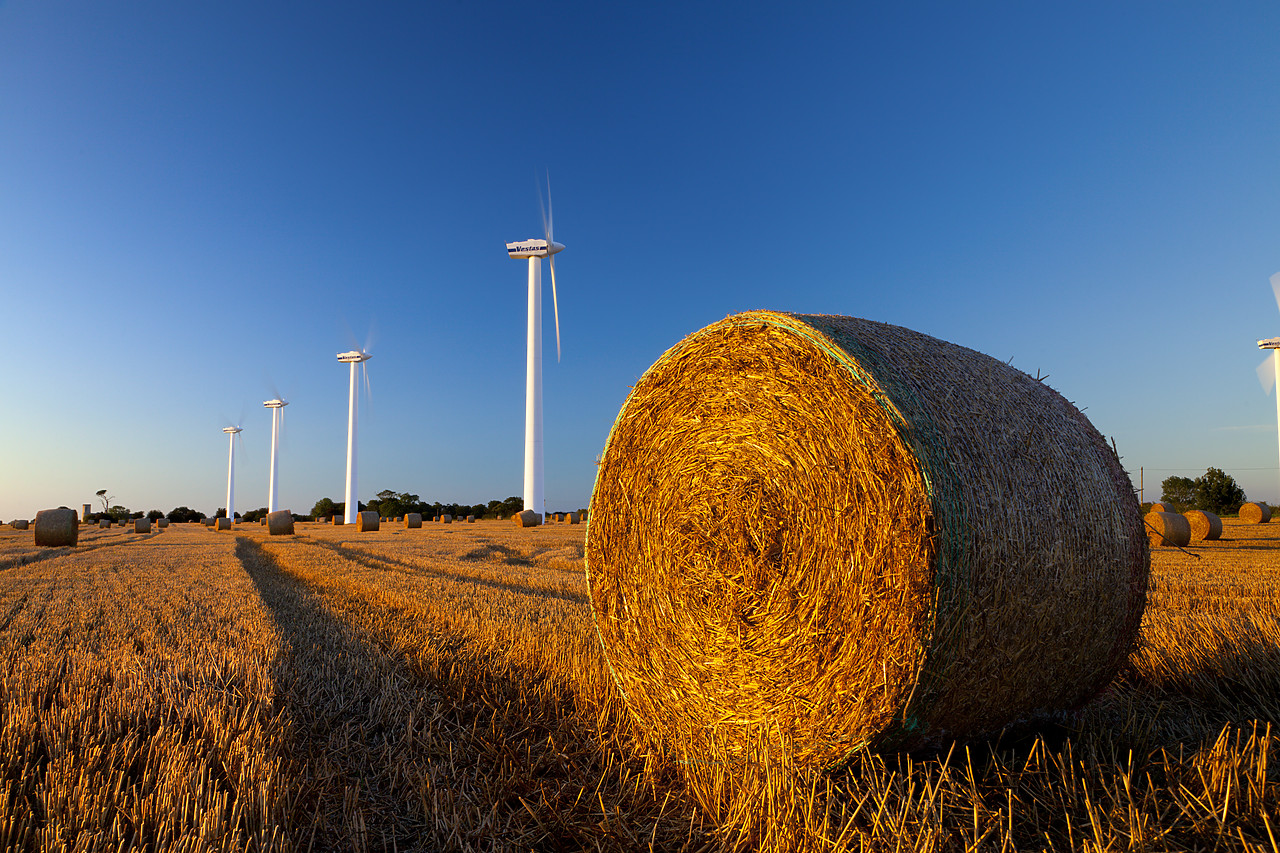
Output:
x=443 y=689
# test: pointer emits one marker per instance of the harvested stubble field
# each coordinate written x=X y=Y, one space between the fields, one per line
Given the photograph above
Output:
x=442 y=689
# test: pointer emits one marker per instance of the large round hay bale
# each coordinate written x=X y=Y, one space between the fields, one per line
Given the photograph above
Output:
x=527 y=518
x=835 y=534
x=367 y=520
x=1167 y=528
x=142 y=525
x=446 y=518
x=223 y=523
x=1255 y=513
x=1204 y=525
x=57 y=527
x=280 y=523
x=1160 y=506
x=20 y=523
x=413 y=520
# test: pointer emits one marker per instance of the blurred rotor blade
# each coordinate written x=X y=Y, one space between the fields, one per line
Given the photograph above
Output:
x=371 y=337
x=1267 y=373
x=1275 y=287
x=368 y=391
x=549 y=218
x=555 y=302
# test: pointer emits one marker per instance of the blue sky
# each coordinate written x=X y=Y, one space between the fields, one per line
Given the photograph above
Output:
x=198 y=200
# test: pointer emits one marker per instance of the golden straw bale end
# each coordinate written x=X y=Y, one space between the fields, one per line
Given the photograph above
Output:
x=1255 y=513
x=1167 y=528
x=1205 y=526
x=804 y=536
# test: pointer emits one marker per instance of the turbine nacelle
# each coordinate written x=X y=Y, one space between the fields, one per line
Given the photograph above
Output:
x=275 y=404
x=1269 y=343
x=231 y=430
x=355 y=356
x=534 y=249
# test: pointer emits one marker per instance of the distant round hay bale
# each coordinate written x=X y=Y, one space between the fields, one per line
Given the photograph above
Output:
x=280 y=523
x=413 y=520
x=162 y=522
x=1205 y=526
x=142 y=525
x=1167 y=528
x=804 y=531
x=1160 y=506
x=527 y=518
x=582 y=516
x=104 y=522
x=1255 y=513
x=223 y=523
x=573 y=518
x=471 y=519
x=339 y=520
x=20 y=523
x=397 y=519
x=445 y=518
x=57 y=527
x=367 y=520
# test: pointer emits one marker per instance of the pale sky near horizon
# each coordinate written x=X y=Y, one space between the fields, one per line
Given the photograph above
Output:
x=198 y=201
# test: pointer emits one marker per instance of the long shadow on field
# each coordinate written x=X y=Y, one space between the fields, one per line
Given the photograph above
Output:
x=380 y=561
x=408 y=738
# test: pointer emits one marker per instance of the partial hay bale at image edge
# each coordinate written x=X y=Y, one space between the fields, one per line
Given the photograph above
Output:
x=57 y=527
x=802 y=533
x=1255 y=513
x=1204 y=525
x=1167 y=528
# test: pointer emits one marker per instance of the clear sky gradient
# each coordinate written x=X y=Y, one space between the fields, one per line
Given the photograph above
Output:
x=198 y=200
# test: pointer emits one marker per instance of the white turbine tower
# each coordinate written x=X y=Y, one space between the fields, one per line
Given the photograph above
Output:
x=1269 y=370
x=354 y=357
x=535 y=251
x=277 y=416
x=232 y=432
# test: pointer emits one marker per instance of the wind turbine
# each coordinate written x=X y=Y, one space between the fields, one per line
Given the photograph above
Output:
x=535 y=251
x=232 y=432
x=277 y=416
x=1269 y=373
x=354 y=357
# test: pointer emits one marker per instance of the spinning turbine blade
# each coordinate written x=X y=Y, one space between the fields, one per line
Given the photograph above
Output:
x=1267 y=373
x=555 y=303
x=1275 y=287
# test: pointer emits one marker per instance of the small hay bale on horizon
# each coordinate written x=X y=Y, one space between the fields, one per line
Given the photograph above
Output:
x=1167 y=529
x=142 y=525
x=1205 y=526
x=57 y=527
x=573 y=518
x=1255 y=513
x=800 y=541
x=413 y=520
x=446 y=518
x=222 y=523
x=1162 y=506
x=20 y=524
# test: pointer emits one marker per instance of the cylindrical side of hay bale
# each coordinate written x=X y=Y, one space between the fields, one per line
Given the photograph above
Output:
x=223 y=523
x=162 y=522
x=102 y=522
x=339 y=520
x=280 y=523
x=527 y=518
x=1204 y=526
x=471 y=519
x=21 y=523
x=142 y=525
x=367 y=520
x=1167 y=528
x=1255 y=513
x=413 y=520
x=573 y=518
x=57 y=527
x=446 y=518
x=804 y=531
